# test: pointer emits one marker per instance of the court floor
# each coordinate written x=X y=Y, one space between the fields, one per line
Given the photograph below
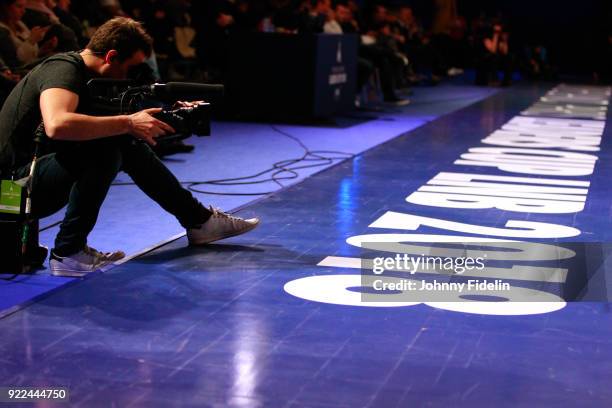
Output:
x=276 y=318
x=133 y=223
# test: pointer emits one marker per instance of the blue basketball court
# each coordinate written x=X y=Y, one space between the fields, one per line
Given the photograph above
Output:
x=278 y=317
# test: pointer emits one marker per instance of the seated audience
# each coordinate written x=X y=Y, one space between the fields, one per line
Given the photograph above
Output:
x=39 y=13
x=20 y=45
x=378 y=47
x=194 y=36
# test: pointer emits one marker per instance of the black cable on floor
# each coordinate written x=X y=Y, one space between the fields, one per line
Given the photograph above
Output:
x=282 y=170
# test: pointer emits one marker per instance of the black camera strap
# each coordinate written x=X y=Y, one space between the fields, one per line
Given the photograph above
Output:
x=27 y=182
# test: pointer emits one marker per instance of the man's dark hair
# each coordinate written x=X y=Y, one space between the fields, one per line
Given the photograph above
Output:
x=124 y=35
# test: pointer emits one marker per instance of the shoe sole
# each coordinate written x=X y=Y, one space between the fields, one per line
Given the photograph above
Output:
x=220 y=237
x=71 y=273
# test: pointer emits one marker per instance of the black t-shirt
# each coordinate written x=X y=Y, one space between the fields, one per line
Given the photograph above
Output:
x=20 y=116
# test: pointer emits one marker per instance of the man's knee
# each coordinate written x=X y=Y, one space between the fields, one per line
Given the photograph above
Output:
x=137 y=154
x=102 y=157
x=109 y=160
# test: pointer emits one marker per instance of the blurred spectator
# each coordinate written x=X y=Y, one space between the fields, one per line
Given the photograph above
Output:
x=331 y=25
x=312 y=16
x=319 y=17
x=247 y=15
x=355 y=12
x=280 y=16
x=40 y=8
x=90 y=14
x=388 y=38
x=8 y=80
x=538 y=65
x=158 y=21
x=185 y=54
x=19 y=45
x=193 y=36
x=346 y=18
x=379 y=47
x=215 y=22
x=111 y=8
x=136 y=8
x=39 y=13
x=6 y=73
x=445 y=15
x=63 y=11
x=449 y=38
x=348 y=25
x=411 y=31
x=458 y=47
x=493 y=56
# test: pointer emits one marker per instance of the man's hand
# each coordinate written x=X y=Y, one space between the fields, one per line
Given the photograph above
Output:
x=146 y=127
x=186 y=104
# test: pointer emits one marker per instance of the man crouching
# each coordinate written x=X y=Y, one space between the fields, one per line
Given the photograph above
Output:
x=87 y=152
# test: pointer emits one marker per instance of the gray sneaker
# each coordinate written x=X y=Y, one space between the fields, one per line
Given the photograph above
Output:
x=82 y=263
x=220 y=225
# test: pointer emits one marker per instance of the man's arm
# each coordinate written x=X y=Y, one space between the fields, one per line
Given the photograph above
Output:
x=58 y=107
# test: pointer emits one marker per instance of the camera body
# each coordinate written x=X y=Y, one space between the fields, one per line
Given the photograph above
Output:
x=188 y=120
x=117 y=97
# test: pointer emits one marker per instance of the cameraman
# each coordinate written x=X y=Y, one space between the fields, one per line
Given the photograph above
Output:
x=86 y=152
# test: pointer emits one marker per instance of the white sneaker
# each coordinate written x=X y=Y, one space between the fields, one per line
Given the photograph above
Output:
x=220 y=225
x=82 y=263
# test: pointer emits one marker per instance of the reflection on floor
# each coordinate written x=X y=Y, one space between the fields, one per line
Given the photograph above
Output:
x=130 y=221
x=213 y=326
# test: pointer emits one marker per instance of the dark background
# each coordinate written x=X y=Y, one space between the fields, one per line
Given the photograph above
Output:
x=574 y=32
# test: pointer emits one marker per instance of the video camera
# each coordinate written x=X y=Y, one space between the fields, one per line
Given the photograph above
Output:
x=118 y=97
